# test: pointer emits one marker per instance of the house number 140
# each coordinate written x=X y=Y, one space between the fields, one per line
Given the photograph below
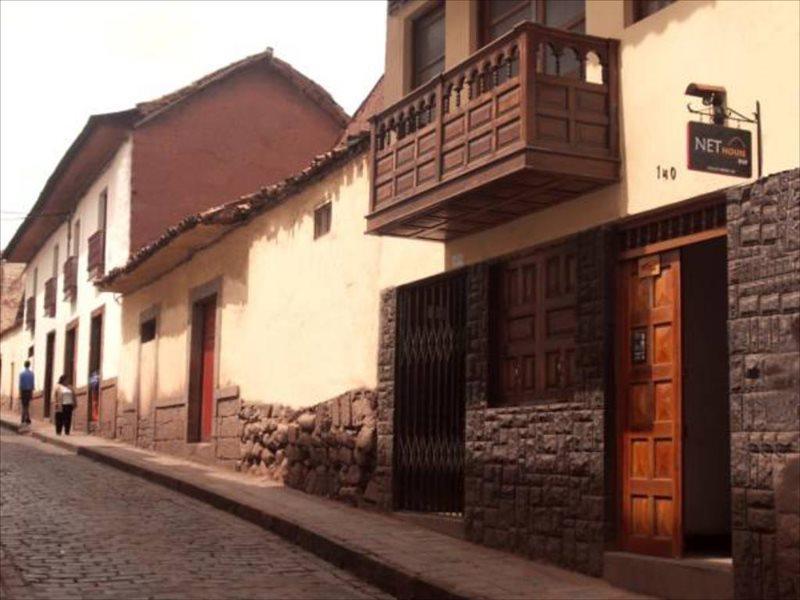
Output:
x=665 y=173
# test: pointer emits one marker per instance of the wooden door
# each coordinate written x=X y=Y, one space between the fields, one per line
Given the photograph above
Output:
x=649 y=399
x=49 y=356
x=207 y=368
x=69 y=355
x=95 y=367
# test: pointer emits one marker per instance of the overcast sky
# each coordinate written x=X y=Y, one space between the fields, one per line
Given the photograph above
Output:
x=63 y=61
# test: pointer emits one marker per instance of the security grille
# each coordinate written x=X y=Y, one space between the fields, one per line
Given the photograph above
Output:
x=430 y=395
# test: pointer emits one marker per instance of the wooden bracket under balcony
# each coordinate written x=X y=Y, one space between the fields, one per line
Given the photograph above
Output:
x=528 y=121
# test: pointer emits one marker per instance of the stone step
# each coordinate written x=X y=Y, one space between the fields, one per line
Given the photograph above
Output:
x=670 y=578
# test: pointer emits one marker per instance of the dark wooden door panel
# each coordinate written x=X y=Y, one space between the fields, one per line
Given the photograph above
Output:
x=649 y=398
x=209 y=335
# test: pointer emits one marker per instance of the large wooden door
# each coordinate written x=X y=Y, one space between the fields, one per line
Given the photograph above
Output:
x=649 y=395
x=207 y=377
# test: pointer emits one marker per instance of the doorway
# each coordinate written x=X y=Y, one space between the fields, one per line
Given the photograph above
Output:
x=201 y=369
x=95 y=366
x=672 y=390
x=49 y=356
x=69 y=354
x=430 y=396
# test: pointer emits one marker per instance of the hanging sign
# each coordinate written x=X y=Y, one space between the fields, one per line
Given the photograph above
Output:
x=718 y=149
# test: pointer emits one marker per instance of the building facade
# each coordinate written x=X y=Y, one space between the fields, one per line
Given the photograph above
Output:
x=108 y=197
x=569 y=330
x=615 y=343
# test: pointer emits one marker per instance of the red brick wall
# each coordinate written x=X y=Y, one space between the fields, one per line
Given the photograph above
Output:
x=249 y=130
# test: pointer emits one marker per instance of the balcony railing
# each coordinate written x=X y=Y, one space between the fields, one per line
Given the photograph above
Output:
x=97 y=251
x=50 y=287
x=528 y=120
x=30 y=313
x=70 y=278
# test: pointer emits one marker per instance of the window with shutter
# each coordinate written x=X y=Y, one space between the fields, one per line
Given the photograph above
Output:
x=534 y=325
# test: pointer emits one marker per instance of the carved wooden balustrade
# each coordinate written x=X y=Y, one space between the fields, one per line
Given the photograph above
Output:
x=30 y=313
x=97 y=250
x=50 y=297
x=70 y=278
x=528 y=120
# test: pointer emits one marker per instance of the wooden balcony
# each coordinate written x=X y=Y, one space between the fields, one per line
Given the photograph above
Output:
x=30 y=313
x=50 y=287
x=71 y=278
x=97 y=252
x=528 y=121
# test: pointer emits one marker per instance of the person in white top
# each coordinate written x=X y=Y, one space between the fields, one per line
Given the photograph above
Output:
x=63 y=405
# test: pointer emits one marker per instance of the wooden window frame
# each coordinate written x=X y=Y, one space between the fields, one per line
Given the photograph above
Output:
x=565 y=346
x=438 y=5
x=323 y=218
x=635 y=11
x=485 y=25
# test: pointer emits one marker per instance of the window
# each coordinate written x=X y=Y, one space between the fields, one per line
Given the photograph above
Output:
x=533 y=326
x=428 y=46
x=645 y=8
x=102 y=210
x=322 y=220
x=30 y=351
x=501 y=16
x=55 y=261
x=147 y=331
x=76 y=238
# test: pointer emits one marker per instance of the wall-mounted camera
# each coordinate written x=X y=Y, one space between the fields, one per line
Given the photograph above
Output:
x=711 y=95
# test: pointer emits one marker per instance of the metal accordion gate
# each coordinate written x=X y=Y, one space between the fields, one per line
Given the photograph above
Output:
x=430 y=386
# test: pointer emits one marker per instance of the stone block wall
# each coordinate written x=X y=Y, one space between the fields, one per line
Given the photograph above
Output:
x=536 y=474
x=327 y=450
x=764 y=354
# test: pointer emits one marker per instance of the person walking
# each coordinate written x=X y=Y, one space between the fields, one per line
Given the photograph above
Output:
x=63 y=403
x=26 y=385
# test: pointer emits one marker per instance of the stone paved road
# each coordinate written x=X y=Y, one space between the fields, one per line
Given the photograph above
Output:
x=71 y=528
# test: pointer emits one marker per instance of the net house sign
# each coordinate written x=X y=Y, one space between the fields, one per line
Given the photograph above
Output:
x=719 y=149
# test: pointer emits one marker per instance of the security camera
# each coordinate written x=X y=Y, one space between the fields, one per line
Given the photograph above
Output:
x=711 y=95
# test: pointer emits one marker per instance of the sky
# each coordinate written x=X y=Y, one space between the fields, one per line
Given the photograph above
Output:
x=61 y=62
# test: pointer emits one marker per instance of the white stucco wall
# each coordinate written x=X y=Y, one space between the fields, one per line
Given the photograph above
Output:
x=298 y=317
x=116 y=178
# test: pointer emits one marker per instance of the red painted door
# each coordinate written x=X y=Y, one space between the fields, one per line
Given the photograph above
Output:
x=207 y=377
x=650 y=400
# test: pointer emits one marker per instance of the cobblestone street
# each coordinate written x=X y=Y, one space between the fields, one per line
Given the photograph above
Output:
x=74 y=529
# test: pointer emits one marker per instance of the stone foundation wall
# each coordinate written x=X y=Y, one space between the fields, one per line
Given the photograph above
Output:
x=764 y=344
x=327 y=450
x=536 y=474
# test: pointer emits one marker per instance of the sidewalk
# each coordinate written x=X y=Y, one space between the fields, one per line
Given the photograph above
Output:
x=401 y=558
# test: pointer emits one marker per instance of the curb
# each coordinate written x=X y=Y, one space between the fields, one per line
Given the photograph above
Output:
x=387 y=577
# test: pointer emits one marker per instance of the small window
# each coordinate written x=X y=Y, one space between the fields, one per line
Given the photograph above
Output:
x=55 y=260
x=501 y=16
x=322 y=220
x=428 y=46
x=644 y=8
x=30 y=351
x=102 y=210
x=147 y=331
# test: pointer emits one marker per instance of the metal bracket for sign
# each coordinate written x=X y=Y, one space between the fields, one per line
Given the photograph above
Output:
x=734 y=115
